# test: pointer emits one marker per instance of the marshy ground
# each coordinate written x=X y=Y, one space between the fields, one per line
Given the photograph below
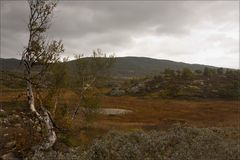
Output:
x=143 y=113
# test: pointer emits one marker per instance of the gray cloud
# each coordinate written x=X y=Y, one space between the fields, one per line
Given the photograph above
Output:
x=194 y=32
x=83 y=18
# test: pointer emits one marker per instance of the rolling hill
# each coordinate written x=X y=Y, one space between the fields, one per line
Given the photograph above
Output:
x=124 y=66
x=138 y=66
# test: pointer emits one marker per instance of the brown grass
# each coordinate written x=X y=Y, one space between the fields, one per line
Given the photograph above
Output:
x=159 y=113
x=148 y=114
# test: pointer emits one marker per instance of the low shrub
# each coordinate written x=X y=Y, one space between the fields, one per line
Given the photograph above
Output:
x=178 y=143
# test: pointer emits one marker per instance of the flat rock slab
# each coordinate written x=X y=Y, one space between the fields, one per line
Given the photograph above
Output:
x=108 y=111
x=114 y=111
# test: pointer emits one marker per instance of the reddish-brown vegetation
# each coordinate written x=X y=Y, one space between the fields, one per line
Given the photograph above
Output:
x=159 y=113
x=147 y=114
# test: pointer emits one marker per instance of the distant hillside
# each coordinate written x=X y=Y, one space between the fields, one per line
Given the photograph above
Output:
x=124 y=66
x=138 y=66
x=10 y=65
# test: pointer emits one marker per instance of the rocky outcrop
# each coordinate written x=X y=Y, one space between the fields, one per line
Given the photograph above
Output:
x=117 y=92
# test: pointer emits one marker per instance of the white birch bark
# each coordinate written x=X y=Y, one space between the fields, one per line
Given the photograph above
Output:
x=38 y=51
x=51 y=135
x=45 y=118
x=55 y=106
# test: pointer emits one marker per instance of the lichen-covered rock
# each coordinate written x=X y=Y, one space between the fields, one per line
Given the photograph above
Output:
x=117 y=92
x=134 y=90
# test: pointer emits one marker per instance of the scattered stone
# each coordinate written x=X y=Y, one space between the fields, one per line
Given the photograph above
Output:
x=17 y=116
x=134 y=89
x=1 y=110
x=5 y=135
x=39 y=129
x=9 y=156
x=10 y=144
x=31 y=120
x=117 y=92
x=17 y=125
x=198 y=82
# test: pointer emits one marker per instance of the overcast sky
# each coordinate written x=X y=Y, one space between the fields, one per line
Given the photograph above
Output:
x=204 y=32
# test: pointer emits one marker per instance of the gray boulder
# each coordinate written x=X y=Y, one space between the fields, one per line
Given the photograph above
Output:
x=117 y=92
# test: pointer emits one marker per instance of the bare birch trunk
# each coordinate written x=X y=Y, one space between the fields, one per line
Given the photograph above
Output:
x=46 y=118
x=84 y=89
x=55 y=106
x=30 y=97
x=38 y=51
x=50 y=131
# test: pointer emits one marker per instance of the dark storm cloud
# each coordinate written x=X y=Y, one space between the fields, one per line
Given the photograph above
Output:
x=169 y=30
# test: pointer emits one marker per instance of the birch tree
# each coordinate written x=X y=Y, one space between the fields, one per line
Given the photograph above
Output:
x=89 y=71
x=37 y=57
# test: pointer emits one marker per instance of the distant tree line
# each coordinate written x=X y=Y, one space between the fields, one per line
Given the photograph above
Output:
x=185 y=83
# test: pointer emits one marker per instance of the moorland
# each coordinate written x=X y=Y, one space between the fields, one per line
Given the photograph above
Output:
x=174 y=104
